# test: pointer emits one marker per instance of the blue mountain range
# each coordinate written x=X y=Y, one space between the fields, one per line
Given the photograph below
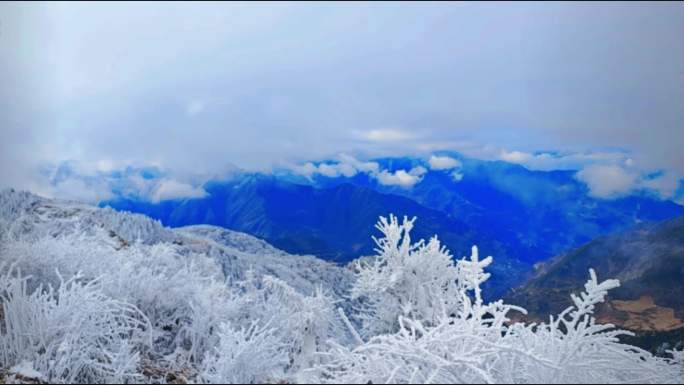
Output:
x=519 y=216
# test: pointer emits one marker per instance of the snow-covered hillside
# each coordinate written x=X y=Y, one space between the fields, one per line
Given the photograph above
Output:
x=31 y=221
x=95 y=295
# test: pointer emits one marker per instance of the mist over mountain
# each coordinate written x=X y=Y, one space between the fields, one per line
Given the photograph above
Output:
x=519 y=216
x=543 y=212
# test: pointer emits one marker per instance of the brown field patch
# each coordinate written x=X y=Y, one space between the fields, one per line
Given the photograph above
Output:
x=642 y=314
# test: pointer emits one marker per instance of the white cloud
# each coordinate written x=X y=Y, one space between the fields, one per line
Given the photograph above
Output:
x=370 y=167
x=194 y=107
x=168 y=189
x=79 y=190
x=329 y=170
x=349 y=166
x=346 y=165
x=307 y=170
x=613 y=181
x=548 y=161
x=608 y=174
x=337 y=169
x=608 y=181
x=386 y=135
x=97 y=182
x=443 y=163
x=516 y=156
x=457 y=176
x=666 y=184
x=401 y=177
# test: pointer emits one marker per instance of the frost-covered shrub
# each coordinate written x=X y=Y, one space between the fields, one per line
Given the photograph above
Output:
x=468 y=350
x=162 y=283
x=185 y=298
x=678 y=362
x=452 y=347
x=12 y=206
x=305 y=324
x=248 y=355
x=476 y=343
x=417 y=281
x=580 y=350
x=266 y=331
x=70 y=333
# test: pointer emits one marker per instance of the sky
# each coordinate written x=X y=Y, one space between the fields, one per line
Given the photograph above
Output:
x=202 y=88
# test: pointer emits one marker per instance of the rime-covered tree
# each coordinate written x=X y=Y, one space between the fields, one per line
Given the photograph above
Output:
x=418 y=281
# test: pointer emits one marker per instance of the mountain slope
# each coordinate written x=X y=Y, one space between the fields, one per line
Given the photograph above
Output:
x=649 y=262
x=335 y=223
x=26 y=217
x=91 y=295
x=540 y=213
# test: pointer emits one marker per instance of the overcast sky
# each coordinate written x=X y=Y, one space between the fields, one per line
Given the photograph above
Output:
x=197 y=87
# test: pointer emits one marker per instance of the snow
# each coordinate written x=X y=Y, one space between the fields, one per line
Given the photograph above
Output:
x=91 y=295
x=25 y=369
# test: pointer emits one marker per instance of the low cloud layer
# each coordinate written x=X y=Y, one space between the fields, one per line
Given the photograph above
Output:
x=348 y=166
x=345 y=165
x=83 y=183
x=402 y=178
x=606 y=177
x=443 y=163
x=608 y=181
x=169 y=189
x=612 y=181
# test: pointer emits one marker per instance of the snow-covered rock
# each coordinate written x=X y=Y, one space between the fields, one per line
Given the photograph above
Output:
x=24 y=373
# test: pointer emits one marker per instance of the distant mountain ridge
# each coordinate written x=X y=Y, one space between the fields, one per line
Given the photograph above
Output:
x=519 y=216
x=649 y=262
x=332 y=223
x=544 y=212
